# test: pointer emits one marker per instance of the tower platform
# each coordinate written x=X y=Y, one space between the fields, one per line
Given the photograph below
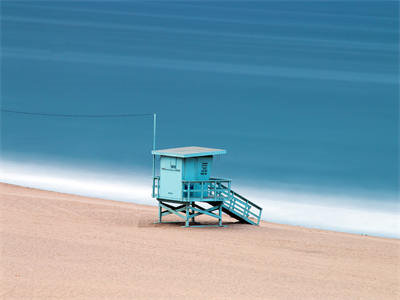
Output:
x=207 y=197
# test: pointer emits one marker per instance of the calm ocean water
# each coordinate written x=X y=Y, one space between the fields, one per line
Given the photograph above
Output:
x=303 y=95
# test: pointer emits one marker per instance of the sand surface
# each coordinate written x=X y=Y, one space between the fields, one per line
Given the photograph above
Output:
x=59 y=246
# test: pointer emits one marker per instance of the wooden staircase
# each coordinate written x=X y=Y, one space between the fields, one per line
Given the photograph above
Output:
x=240 y=208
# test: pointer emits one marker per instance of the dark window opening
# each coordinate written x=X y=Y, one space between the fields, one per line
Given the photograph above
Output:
x=204 y=168
x=173 y=163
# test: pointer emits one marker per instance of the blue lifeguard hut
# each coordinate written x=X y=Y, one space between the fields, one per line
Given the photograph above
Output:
x=184 y=187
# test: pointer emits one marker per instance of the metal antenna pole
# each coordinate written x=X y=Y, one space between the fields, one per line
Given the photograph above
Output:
x=154 y=143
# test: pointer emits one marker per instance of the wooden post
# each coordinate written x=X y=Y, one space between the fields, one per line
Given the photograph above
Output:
x=187 y=215
x=220 y=215
x=154 y=144
x=192 y=212
x=159 y=213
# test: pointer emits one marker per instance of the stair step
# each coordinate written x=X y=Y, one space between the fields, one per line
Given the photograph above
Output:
x=240 y=208
x=236 y=216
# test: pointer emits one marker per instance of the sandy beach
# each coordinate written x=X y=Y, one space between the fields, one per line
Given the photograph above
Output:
x=60 y=246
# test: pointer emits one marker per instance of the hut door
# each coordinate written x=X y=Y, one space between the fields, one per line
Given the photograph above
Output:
x=170 y=178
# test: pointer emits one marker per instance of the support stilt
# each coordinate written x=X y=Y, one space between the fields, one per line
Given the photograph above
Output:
x=159 y=213
x=187 y=215
x=188 y=211
x=220 y=215
x=192 y=213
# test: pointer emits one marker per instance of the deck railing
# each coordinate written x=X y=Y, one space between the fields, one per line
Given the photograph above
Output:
x=205 y=190
x=216 y=189
x=156 y=186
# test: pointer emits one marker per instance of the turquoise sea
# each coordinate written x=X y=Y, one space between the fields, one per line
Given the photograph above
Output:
x=304 y=95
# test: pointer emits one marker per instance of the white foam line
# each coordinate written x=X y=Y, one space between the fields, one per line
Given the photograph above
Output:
x=126 y=187
x=296 y=208
x=293 y=208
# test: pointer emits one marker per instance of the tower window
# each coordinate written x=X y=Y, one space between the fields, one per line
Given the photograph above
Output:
x=173 y=163
x=204 y=168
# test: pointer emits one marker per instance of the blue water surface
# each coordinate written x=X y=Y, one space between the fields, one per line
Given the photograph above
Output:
x=301 y=94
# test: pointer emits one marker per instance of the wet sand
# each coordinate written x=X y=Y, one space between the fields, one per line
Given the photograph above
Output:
x=60 y=246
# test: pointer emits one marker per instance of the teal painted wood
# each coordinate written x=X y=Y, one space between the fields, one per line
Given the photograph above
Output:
x=241 y=208
x=234 y=205
x=204 y=190
x=171 y=169
x=189 y=211
x=156 y=183
x=184 y=178
x=174 y=169
x=172 y=210
x=207 y=211
x=186 y=152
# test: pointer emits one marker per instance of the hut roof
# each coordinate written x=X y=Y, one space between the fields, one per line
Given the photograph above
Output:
x=192 y=151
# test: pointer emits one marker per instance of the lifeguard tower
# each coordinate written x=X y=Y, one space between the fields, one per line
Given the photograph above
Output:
x=184 y=187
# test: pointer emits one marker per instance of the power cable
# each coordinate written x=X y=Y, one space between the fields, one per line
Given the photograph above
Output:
x=74 y=115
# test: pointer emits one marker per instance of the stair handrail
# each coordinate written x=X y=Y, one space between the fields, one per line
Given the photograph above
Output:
x=243 y=198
